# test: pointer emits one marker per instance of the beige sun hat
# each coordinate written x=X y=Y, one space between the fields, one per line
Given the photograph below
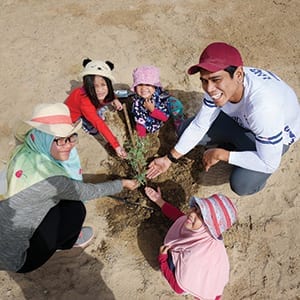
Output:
x=98 y=67
x=54 y=119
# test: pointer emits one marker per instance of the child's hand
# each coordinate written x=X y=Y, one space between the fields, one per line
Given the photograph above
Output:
x=164 y=249
x=130 y=184
x=148 y=104
x=117 y=104
x=155 y=196
x=121 y=152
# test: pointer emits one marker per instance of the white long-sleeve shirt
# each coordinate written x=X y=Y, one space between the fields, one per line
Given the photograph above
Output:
x=269 y=108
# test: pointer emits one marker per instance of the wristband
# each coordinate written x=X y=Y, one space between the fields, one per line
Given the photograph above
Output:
x=172 y=158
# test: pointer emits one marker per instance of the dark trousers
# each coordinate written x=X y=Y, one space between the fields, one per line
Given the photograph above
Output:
x=58 y=230
x=227 y=134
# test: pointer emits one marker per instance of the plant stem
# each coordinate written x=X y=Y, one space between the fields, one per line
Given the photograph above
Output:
x=129 y=125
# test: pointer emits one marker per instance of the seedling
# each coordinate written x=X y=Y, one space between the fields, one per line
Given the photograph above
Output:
x=137 y=151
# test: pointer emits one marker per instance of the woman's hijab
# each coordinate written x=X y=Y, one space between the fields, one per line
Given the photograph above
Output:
x=32 y=162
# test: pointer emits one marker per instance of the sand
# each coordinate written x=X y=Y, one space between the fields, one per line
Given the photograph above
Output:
x=42 y=46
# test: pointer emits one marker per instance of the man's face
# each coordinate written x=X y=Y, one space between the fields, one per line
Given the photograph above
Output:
x=221 y=87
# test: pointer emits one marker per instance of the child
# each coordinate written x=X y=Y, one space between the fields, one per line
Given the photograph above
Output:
x=193 y=258
x=89 y=101
x=152 y=106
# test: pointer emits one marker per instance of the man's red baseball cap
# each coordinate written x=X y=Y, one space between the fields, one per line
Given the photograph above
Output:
x=217 y=56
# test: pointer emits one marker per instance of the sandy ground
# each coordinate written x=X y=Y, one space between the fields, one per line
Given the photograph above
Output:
x=42 y=47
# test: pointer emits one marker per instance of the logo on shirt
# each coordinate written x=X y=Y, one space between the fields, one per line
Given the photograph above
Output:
x=291 y=135
x=264 y=75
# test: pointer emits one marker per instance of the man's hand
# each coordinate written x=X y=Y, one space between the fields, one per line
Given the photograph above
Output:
x=213 y=156
x=158 y=166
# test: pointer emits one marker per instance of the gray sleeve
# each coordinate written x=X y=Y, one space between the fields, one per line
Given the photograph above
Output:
x=22 y=213
x=69 y=189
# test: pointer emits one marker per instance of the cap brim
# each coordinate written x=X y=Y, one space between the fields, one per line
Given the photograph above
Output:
x=206 y=66
x=193 y=70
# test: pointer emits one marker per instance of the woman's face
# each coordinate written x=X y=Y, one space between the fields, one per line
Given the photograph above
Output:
x=145 y=90
x=101 y=88
x=61 y=147
x=193 y=219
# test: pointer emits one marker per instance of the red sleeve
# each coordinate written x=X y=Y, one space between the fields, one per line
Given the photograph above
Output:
x=168 y=274
x=90 y=113
x=80 y=105
x=159 y=115
x=171 y=211
x=140 y=129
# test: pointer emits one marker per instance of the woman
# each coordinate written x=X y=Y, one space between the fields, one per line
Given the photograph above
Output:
x=43 y=209
x=193 y=258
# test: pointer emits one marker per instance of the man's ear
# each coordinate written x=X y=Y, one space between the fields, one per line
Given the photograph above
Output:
x=239 y=73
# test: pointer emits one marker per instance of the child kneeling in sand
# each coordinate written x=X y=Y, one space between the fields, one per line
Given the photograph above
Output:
x=152 y=106
x=193 y=258
x=89 y=102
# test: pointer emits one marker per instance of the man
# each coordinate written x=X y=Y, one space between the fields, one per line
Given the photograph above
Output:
x=251 y=114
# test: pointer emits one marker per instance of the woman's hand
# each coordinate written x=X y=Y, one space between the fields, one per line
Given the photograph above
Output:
x=121 y=152
x=117 y=104
x=130 y=184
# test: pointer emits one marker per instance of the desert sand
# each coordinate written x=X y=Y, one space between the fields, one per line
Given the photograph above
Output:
x=42 y=46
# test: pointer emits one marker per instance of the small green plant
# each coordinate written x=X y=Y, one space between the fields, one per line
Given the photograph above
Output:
x=137 y=149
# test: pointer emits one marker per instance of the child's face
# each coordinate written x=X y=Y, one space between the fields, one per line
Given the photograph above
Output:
x=193 y=219
x=145 y=90
x=101 y=87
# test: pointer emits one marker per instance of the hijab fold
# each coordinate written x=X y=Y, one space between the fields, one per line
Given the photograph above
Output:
x=32 y=162
x=201 y=262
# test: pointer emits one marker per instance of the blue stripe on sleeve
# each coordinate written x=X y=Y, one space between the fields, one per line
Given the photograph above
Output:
x=272 y=140
x=209 y=103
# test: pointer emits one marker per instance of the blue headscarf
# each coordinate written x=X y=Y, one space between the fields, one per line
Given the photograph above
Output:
x=32 y=162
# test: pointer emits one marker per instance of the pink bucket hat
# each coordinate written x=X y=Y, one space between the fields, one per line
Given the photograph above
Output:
x=218 y=212
x=54 y=119
x=217 y=56
x=146 y=75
